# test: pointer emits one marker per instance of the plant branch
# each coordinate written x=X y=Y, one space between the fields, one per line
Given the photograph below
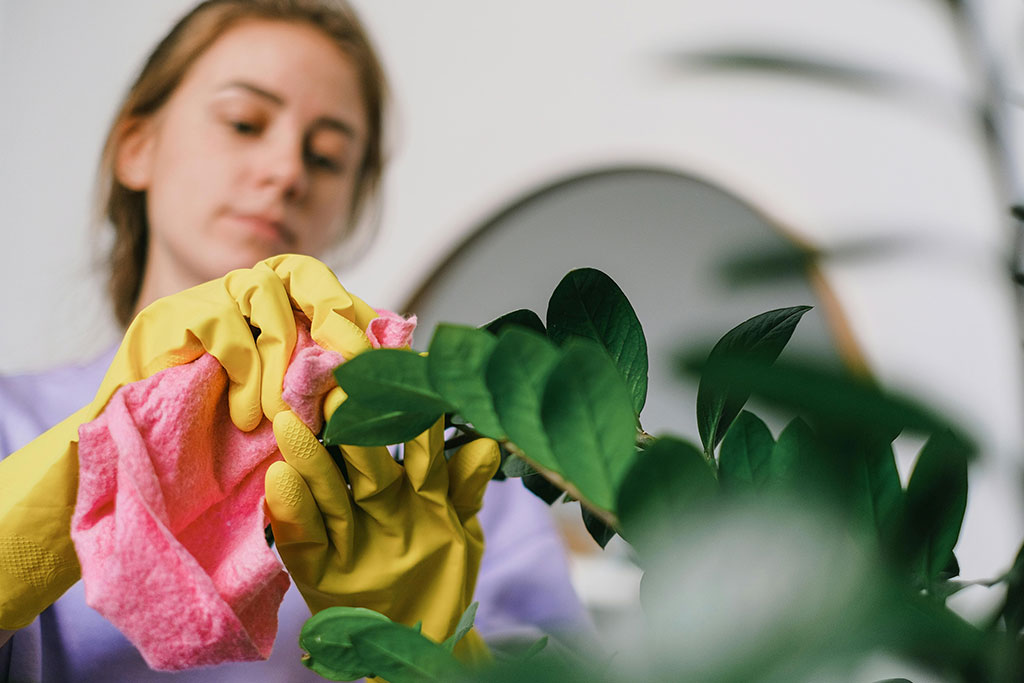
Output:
x=605 y=516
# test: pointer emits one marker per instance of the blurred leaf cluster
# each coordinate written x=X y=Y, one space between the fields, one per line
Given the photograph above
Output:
x=766 y=557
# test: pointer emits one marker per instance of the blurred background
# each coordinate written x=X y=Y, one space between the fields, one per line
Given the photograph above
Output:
x=657 y=142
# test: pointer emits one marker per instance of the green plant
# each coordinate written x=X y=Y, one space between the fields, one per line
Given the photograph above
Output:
x=860 y=563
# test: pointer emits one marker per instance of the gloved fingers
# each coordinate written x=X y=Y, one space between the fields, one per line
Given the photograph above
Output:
x=262 y=299
x=301 y=537
x=293 y=512
x=176 y=330
x=334 y=398
x=425 y=463
x=469 y=470
x=313 y=463
x=375 y=478
x=337 y=318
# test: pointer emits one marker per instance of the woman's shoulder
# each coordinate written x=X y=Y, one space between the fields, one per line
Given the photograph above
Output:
x=31 y=403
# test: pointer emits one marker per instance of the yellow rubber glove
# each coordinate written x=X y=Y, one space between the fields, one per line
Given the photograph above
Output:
x=38 y=483
x=403 y=540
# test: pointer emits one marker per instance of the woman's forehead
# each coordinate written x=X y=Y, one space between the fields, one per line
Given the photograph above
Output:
x=297 y=63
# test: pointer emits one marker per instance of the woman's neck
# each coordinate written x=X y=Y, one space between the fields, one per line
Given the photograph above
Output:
x=162 y=277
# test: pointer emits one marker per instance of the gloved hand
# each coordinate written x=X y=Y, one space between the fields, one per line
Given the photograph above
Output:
x=403 y=540
x=38 y=483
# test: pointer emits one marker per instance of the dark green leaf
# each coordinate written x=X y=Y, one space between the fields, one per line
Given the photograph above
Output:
x=1013 y=608
x=588 y=416
x=669 y=478
x=500 y=475
x=515 y=467
x=456 y=363
x=879 y=492
x=390 y=380
x=355 y=424
x=598 y=530
x=951 y=568
x=796 y=453
x=538 y=485
x=399 y=654
x=920 y=628
x=522 y=317
x=326 y=637
x=758 y=341
x=516 y=376
x=462 y=628
x=745 y=454
x=390 y=399
x=588 y=304
x=935 y=503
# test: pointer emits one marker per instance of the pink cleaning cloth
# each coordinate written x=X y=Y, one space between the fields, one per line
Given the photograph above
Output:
x=169 y=522
x=390 y=330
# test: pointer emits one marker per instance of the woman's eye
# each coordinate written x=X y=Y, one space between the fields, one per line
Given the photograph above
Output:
x=245 y=127
x=323 y=162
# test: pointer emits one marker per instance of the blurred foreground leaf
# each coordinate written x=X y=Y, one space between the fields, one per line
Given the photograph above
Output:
x=879 y=495
x=792 y=261
x=811 y=68
x=935 y=504
x=1013 y=608
x=835 y=402
x=669 y=478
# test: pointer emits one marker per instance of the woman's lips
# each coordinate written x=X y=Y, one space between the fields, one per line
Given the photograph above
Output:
x=267 y=229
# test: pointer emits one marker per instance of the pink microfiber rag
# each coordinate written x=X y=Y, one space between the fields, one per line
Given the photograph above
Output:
x=169 y=521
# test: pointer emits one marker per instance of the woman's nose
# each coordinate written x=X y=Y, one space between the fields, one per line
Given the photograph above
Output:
x=284 y=168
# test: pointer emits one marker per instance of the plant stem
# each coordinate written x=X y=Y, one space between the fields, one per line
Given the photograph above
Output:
x=605 y=516
x=468 y=434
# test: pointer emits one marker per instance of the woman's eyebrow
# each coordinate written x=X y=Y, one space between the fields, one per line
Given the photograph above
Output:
x=255 y=90
x=322 y=122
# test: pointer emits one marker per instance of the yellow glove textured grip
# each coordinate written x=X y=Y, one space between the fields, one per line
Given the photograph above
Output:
x=403 y=540
x=37 y=497
x=38 y=483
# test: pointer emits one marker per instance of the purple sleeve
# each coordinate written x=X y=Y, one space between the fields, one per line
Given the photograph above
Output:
x=524 y=588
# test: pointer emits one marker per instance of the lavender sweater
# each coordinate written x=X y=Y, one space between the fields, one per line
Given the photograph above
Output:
x=523 y=588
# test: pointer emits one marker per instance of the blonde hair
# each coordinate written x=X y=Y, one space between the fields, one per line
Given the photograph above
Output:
x=164 y=71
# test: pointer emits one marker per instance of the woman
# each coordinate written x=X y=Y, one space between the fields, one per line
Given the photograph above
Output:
x=254 y=129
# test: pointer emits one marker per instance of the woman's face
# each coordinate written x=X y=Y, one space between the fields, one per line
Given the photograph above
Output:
x=256 y=153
